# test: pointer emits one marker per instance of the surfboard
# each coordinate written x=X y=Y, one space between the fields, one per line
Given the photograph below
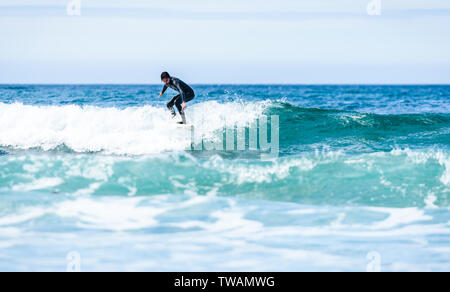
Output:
x=181 y=126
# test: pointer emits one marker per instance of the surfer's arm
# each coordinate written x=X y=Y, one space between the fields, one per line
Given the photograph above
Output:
x=164 y=90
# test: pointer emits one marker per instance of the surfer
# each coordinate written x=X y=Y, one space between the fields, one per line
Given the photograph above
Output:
x=186 y=94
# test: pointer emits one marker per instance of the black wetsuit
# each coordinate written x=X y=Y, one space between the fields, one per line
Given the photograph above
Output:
x=186 y=94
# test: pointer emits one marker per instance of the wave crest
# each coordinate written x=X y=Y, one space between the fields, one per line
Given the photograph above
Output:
x=133 y=130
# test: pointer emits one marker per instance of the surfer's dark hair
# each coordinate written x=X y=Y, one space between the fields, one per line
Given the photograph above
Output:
x=164 y=75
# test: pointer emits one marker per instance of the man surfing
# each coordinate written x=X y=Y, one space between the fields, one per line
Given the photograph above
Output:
x=186 y=94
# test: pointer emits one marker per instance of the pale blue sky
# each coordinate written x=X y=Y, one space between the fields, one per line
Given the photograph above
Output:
x=227 y=41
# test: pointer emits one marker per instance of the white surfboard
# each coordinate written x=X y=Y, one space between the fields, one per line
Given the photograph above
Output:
x=184 y=126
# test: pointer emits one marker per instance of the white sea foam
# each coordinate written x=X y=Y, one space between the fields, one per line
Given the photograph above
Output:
x=134 y=130
x=38 y=184
x=445 y=161
x=236 y=234
x=89 y=190
x=422 y=157
x=399 y=217
x=112 y=214
x=244 y=173
x=26 y=215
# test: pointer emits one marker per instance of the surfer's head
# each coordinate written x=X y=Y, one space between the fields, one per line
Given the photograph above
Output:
x=165 y=77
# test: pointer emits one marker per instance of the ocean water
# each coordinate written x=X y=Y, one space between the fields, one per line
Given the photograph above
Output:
x=98 y=177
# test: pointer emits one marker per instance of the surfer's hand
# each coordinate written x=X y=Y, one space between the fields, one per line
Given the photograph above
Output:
x=160 y=95
x=184 y=105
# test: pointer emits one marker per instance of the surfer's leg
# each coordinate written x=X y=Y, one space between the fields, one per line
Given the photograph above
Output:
x=188 y=97
x=171 y=103
x=178 y=103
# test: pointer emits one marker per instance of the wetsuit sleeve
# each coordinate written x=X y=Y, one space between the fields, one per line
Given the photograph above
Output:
x=164 y=89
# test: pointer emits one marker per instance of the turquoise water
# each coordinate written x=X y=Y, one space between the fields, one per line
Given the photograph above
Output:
x=361 y=182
